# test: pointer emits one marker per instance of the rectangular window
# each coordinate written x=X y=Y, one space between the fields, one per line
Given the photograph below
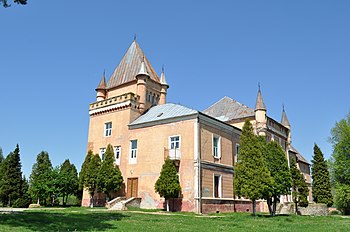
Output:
x=174 y=142
x=133 y=151
x=216 y=146
x=217 y=186
x=117 y=153
x=108 y=129
x=237 y=151
x=102 y=153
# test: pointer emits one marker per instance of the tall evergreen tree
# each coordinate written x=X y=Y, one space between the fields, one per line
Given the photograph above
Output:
x=252 y=178
x=168 y=184
x=321 y=185
x=90 y=178
x=10 y=189
x=278 y=166
x=68 y=180
x=41 y=178
x=109 y=176
x=300 y=190
x=1 y=156
x=82 y=173
x=340 y=163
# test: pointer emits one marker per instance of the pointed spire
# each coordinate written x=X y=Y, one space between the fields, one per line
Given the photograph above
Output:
x=162 y=77
x=143 y=70
x=284 y=120
x=260 y=105
x=102 y=84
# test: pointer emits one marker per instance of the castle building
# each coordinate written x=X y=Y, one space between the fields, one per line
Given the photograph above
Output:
x=132 y=114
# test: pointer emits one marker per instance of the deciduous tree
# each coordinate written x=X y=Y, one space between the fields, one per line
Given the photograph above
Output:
x=168 y=184
x=321 y=185
x=252 y=178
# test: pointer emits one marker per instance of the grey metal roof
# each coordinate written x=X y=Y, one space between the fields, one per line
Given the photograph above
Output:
x=298 y=155
x=227 y=109
x=284 y=120
x=130 y=66
x=163 y=112
x=260 y=105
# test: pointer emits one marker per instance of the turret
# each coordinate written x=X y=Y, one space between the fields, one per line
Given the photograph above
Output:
x=142 y=76
x=285 y=122
x=101 y=89
x=164 y=88
x=260 y=115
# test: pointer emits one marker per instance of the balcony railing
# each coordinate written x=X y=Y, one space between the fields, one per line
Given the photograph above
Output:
x=173 y=154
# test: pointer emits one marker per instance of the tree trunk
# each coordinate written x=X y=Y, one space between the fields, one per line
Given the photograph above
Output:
x=92 y=201
x=167 y=205
x=38 y=202
x=269 y=204
x=254 y=207
x=274 y=205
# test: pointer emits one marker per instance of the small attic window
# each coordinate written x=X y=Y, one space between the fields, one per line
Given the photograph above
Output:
x=159 y=115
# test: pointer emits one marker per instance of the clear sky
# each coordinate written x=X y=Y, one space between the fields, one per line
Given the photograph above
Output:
x=53 y=54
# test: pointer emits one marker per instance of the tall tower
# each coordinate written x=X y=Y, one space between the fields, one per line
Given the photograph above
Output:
x=101 y=89
x=164 y=88
x=285 y=122
x=260 y=115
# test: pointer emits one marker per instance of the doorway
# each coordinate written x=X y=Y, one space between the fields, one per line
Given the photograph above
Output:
x=132 y=187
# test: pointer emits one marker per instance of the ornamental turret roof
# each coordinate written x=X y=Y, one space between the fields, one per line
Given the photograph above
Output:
x=260 y=105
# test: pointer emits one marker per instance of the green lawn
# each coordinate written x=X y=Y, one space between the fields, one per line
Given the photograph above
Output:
x=81 y=219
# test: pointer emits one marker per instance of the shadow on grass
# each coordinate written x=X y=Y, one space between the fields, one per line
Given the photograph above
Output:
x=270 y=216
x=44 y=221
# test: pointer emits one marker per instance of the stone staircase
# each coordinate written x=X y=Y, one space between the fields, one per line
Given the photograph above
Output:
x=122 y=204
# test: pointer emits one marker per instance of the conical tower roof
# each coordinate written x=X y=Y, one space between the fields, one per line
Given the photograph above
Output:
x=284 y=120
x=260 y=105
x=130 y=66
x=162 y=78
x=142 y=70
x=102 y=84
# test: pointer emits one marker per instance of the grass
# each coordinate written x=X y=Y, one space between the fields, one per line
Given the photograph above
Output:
x=99 y=219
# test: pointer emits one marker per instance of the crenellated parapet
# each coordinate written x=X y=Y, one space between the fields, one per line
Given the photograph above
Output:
x=115 y=103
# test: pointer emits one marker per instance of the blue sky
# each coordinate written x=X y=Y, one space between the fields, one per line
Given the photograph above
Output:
x=53 y=54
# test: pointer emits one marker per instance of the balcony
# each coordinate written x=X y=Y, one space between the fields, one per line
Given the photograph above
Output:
x=173 y=154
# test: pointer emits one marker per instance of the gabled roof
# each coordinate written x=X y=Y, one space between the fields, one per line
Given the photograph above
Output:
x=130 y=66
x=227 y=109
x=298 y=155
x=260 y=105
x=163 y=112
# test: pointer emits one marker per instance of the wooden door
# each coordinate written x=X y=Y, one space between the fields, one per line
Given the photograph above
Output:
x=132 y=187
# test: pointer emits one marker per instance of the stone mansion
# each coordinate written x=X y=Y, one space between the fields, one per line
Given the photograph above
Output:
x=132 y=114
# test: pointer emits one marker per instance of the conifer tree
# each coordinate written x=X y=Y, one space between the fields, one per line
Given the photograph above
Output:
x=168 y=184
x=278 y=166
x=90 y=179
x=1 y=156
x=41 y=178
x=300 y=190
x=82 y=173
x=10 y=189
x=252 y=178
x=109 y=176
x=321 y=185
x=68 y=180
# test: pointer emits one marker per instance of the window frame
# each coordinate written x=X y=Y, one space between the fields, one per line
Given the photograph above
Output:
x=174 y=142
x=133 y=152
x=108 y=130
x=219 y=186
x=102 y=153
x=218 y=147
x=237 y=151
x=117 y=149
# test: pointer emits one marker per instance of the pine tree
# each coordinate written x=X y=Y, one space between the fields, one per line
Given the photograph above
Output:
x=82 y=173
x=90 y=178
x=41 y=178
x=278 y=166
x=109 y=176
x=252 y=177
x=10 y=189
x=68 y=180
x=1 y=156
x=168 y=184
x=300 y=190
x=321 y=185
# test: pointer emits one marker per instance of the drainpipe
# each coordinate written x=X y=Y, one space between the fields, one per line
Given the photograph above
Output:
x=199 y=161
